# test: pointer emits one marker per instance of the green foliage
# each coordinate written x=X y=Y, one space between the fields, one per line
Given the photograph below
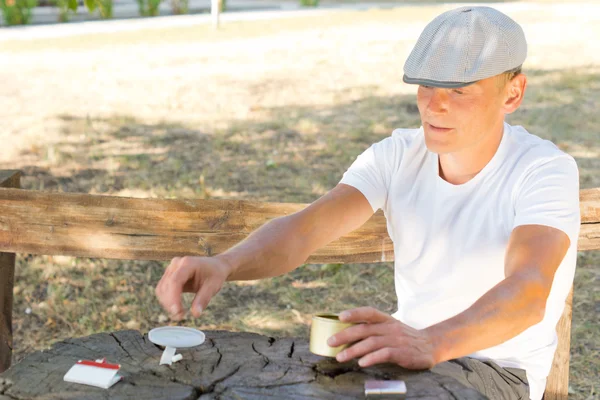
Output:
x=331 y=269
x=104 y=6
x=90 y=4
x=65 y=9
x=270 y=164
x=149 y=8
x=17 y=12
x=180 y=6
x=309 y=3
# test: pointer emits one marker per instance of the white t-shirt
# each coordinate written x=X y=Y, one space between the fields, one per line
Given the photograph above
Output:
x=450 y=240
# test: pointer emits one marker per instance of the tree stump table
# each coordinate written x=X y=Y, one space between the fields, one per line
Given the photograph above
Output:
x=229 y=365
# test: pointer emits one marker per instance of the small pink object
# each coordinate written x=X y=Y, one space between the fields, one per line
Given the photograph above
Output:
x=97 y=373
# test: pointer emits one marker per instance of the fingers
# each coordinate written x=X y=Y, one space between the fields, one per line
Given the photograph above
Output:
x=355 y=333
x=170 y=287
x=361 y=348
x=189 y=274
x=364 y=314
x=388 y=341
x=383 y=355
x=203 y=296
x=404 y=356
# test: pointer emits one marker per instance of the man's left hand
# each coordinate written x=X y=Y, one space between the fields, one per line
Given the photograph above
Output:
x=380 y=338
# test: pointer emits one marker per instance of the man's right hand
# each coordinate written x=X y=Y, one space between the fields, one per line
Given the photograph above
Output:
x=201 y=275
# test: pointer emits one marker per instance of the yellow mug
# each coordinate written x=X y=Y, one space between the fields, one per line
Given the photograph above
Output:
x=322 y=328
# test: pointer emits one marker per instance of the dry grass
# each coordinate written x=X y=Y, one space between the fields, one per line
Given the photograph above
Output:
x=248 y=114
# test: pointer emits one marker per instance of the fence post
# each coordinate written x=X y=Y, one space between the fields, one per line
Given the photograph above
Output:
x=557 y=385
x=215 y=10
x=8 y=179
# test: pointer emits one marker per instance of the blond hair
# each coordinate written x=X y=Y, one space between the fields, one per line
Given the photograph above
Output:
x=508 y=76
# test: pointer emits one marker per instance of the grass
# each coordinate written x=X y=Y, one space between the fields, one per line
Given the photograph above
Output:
x=176 y=122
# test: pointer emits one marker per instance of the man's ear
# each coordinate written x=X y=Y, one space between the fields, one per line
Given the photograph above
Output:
x=514 y=92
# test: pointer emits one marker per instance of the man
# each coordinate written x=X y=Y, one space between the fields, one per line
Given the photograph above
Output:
x=483 y=215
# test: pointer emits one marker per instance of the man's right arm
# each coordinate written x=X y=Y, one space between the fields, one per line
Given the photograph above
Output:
x=277 y=247
x=285 y=243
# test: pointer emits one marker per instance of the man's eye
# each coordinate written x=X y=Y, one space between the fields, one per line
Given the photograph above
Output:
x=426 y=87
x=458 y=91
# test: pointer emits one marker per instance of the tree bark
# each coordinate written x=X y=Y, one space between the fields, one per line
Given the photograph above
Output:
x=227 y=366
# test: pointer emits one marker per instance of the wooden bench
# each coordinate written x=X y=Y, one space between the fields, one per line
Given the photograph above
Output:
x=83 y=225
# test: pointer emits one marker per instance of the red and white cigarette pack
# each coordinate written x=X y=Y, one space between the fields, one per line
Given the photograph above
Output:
x=97 y=373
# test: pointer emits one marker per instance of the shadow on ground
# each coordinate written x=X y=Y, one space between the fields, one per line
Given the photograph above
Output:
x=282 y=154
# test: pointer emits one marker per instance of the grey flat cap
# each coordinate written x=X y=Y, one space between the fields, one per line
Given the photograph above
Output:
x=465 y=45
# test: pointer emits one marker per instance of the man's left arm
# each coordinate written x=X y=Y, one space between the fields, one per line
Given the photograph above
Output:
x=546 y=222
x=518 y=302
x=513 y=305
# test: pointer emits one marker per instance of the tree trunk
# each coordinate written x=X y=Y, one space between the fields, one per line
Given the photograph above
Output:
x=227 y=366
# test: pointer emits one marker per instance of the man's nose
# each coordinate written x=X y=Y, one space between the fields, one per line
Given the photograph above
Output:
x=438 y=102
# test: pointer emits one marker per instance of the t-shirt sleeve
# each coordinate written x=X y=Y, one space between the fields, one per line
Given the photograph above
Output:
x=372 y=170
x=549 y=196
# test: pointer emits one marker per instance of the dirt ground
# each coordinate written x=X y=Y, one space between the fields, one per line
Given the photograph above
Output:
x=269 y=110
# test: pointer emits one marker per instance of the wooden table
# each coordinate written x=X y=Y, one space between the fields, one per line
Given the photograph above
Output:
x=229 y=365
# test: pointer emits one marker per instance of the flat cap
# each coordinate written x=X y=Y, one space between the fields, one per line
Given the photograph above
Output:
x=465 y=45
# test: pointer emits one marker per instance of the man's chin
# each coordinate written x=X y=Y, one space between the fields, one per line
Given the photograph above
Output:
x=438 y=146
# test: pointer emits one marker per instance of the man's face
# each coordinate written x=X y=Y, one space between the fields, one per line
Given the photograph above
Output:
x=456 y=119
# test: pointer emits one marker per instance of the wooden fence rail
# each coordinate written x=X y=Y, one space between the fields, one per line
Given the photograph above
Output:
x=85 y=225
